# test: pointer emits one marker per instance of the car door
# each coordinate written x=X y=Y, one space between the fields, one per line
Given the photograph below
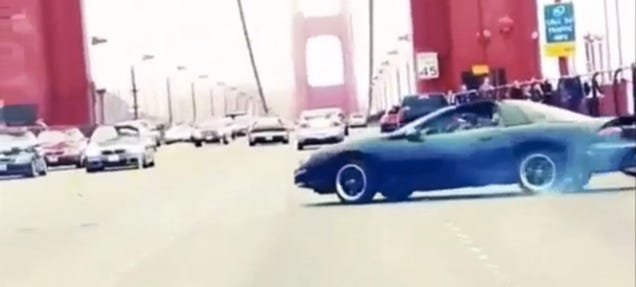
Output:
x=430 y=160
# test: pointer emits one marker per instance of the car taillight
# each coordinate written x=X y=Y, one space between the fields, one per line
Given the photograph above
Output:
x=304 y=126
x=610 y=131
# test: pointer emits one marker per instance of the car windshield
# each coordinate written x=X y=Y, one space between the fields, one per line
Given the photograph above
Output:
x=429 y=102
x=60 y=135
x=541 y=113
x=416 y=124
x=269 y=122
x=109 y=133
x=319 y=114
x=16 y=139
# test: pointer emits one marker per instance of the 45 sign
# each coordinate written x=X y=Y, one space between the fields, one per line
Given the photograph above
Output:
x=427 y=66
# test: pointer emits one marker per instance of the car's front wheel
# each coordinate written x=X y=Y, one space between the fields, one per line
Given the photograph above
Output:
x=198 y=143
x=355 y=183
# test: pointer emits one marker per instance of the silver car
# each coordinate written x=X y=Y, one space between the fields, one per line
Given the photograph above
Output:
x=267 y=130
x=119 y=146
x=20 y=154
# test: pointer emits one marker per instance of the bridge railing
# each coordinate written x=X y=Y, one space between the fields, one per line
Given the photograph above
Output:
x=602 y=93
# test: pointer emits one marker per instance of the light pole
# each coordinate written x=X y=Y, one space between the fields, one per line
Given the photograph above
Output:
x=398 y=79
x=169 y=92
x=221 y=86
x=409 y=76
x=135 y=92
x=98 y=97
x=389 y=83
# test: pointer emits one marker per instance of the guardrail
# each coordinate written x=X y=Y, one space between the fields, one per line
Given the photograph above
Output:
x=583 y=93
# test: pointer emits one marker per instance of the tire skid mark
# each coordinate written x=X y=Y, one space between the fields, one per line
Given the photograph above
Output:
x=471 y=246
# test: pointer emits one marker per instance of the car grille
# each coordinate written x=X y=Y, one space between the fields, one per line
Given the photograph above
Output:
x=110 y=152
x=54 y=153
x=6 y=160
x=11 y=152
x=210 y=133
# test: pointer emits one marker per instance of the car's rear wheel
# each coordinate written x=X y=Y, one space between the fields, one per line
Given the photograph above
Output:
x=300 y=146
x=355 y=183
x=540 y=171
x=198 y=143
x=226 y=141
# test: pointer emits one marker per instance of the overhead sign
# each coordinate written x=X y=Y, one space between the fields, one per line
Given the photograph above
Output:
x=427 y=66
x=560 y=30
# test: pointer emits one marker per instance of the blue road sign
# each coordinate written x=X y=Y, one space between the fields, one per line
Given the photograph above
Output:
x=559 y=23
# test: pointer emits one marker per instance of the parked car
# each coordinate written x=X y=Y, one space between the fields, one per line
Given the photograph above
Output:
x=541 y=148
x=265 y=130
x=119 y=146
x=20 y=154
x=63 y=146
x=317 y=127
x=213 y=131
x=357 y=120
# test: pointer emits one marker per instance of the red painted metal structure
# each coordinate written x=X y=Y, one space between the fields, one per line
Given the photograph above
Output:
x=43 y=59
x=497 y=33
x=305 y=28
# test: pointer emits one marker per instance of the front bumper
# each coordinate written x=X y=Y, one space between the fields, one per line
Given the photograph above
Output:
x=611 y=156
x=9 y=169
x=315 y=179
x=110 y=161
x=320 y=137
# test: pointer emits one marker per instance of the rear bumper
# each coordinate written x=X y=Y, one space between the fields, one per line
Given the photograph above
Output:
x=611 y=156
x=61 y=160
x=389 y=127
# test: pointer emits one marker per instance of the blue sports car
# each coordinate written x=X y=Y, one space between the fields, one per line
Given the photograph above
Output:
x=539 y=147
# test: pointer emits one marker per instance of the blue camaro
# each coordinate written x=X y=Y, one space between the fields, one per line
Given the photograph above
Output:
x=476 y=144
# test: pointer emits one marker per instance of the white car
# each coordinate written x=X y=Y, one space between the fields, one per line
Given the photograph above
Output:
x=178 y=133
x=118 y=146
x=316 y=128
x=266 y=130
x=212 y=131
x=357 y=120
x=146 y=129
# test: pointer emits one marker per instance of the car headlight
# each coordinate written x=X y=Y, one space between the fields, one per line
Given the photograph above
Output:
x=23 y=158
x=92 y=151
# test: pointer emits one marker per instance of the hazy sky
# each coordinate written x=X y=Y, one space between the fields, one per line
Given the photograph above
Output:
x=205 y=36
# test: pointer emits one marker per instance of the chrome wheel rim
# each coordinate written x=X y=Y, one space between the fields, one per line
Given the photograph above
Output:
x=538 y=172
x=351 y=182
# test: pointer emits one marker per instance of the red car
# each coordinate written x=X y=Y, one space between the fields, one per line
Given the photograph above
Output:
x=63 y=146
x=391 y=119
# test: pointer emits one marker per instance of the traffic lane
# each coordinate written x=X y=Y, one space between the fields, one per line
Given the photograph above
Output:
x=250 y=230
x=134 y=215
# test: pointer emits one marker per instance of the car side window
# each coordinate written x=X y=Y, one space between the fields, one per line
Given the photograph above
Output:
x=461 y=119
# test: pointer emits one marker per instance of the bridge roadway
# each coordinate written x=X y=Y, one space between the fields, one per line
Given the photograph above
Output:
x=229 y=216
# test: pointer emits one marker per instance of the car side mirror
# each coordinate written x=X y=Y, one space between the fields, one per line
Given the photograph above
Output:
x=414 y=135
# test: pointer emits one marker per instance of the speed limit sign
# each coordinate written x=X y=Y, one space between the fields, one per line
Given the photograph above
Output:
x=427 y=66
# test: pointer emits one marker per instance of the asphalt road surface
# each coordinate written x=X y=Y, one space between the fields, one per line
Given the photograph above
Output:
x=230 y=216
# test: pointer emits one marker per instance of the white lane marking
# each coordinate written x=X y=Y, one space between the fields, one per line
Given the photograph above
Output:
x=481 y=255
